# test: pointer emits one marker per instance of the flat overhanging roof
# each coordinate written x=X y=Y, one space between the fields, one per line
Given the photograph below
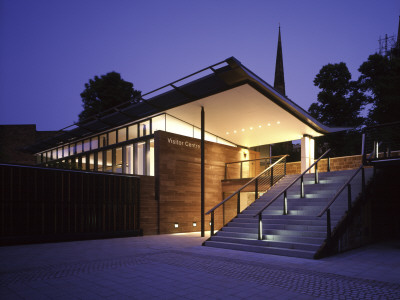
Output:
x=234 y=99
x=245 y=117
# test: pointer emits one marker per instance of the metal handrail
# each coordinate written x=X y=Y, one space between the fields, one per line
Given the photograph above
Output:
x=262 y=158
x=290 y=185
x=284 y=192
x=348 y=185
x=340 y=191
x=245 y=185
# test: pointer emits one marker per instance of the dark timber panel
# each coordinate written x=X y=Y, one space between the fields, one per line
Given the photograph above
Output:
x=39 y=204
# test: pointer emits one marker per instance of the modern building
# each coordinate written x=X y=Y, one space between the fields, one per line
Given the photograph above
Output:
x=181 y=137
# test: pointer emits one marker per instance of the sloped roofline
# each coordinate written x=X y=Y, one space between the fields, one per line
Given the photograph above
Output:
x=222 y=76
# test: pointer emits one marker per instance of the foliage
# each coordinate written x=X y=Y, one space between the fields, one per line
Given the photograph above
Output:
x=104 y=92
x=380 y=77
x=340 y=100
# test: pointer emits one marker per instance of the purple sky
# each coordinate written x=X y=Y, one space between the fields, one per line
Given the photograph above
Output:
x=50 y=49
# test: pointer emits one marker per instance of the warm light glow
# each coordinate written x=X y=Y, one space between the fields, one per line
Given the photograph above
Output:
x=269 y=124
x=259 y=126
x=234 y=131
x=278 y=122
x=194 y=224
x=251 y=128
x=176 y=225
x=242 y=129
x=227 y=132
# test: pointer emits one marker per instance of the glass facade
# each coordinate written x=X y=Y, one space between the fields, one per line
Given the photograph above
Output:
x=128 y=149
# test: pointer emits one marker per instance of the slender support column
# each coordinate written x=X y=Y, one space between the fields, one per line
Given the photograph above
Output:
x=307 y=153
x=349 y=197
x=202 y=172
x=329 y=165
x=363 y=184
x=260 y=230
x=316 y=173
x=272 y=176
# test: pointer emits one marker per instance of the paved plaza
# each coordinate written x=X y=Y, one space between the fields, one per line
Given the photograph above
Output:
x=176 y=266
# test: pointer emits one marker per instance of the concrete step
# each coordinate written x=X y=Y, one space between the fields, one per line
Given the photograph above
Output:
x=283 y=238
x=266 y=243
x=262 y=249
x=300 y=233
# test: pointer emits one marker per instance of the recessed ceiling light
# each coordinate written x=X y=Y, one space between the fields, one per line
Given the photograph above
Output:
x=251 y=128
x=278 y=122
x=259 y=126
x=269 y=124
x=234 y=131
x=227 y=132
x=242 y=129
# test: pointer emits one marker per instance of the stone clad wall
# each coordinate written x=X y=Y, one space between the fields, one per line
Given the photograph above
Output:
x=148 y=205
x=177 y=172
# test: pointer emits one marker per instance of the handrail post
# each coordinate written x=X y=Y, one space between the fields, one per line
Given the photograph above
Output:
x=302 y=187
x=260 y=230
x=363 y=184
x=316 y=173
x=241 y=170
x=349 y=197
x=238 y=203
x=328 y=226
x=272 y=176
x=256 y=190
x=285 y=210
x=329 y=164
x=212 y=224
x=363 y=153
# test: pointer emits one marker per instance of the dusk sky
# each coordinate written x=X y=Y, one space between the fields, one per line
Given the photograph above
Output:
x=50 y=49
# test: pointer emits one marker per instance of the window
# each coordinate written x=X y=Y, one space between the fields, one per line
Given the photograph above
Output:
x=118 y=162
x=108 y=162
x=144 y=128
x=54 y=154
x=86 y=145
x=129 y=160
x=103 y=140
x=94 y=142
x=91 y=162
x=112 y=138
x=132 y=132
x=65 y=154
x=140 y=159
x=79 y=147
x=100 y=162
x=177 y=126
x=121 y=135
x=72 y=149
x=158 y=123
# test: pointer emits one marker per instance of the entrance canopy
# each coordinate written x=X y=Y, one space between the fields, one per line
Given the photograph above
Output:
x=239 y=107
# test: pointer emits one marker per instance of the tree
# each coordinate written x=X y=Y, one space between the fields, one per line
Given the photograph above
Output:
x=380 y=77
x=340 y=101
x=339 y=105
x=104 y=92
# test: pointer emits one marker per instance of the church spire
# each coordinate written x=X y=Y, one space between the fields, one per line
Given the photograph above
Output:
x=279 y=82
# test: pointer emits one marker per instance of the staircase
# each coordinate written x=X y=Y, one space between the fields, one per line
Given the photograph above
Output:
x=299 y=233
